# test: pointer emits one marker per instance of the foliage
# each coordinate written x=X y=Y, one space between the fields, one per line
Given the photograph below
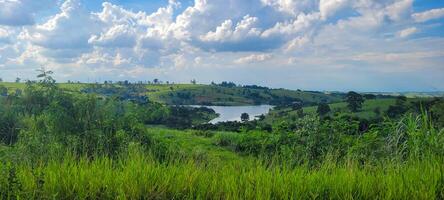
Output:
x=354 y=101
x=56 y=143
x=244 y=117
x=323 y=109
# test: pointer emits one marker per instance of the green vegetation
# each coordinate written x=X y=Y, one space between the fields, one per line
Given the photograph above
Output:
x=140 y=176
x=111 y=141
x=223 y=94
x=197 y=94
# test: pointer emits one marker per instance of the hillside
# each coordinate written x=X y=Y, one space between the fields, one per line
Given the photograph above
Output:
x=371 y=109
x=188 y=94
x=199 y=94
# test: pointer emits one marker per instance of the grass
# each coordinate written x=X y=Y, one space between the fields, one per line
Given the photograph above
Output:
x=190 y=142
x=367 y=111
x=189 y=164
x=139 y=176
x=68 y=86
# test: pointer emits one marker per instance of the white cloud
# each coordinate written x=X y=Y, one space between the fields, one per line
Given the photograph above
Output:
x=302 y=23
x=302 y=36
x=297 y=43
x=399 y=10
x=21 y=12
x=225 y=32
x=116 y=36
x=330 y=7
x=68 y=29
x=407 y=32
x=290 y=6
x=6 y=35
x=428 y=15
x=253 y=58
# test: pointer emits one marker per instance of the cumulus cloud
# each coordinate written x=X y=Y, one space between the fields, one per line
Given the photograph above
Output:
x=290 y=6
x=253 y=58
x=330 y=7
x=428 y=15
x=68 y=29
x=116 y=36
x=303 y=34
x=225 y=32
x=21 y=12
x=300 y=24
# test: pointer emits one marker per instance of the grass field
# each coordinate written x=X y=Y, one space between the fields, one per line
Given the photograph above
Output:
x=198 y=169
x=191 y=142
x=367 y=111
x=139 y=176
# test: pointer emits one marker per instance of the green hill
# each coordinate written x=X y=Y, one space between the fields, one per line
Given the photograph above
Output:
x=370 y=109
x=188 y=94
x=199 y=94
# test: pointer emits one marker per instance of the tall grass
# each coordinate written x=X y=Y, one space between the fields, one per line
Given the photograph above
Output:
x=162 y=172
x=139 y=176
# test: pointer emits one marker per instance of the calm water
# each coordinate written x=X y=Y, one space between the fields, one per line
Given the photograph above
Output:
x=233 y=113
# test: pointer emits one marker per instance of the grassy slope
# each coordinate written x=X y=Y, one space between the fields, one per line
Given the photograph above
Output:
x=212 y=172
x=190 y=143
x=69 y=86
x=367 y=111
x=217 y=95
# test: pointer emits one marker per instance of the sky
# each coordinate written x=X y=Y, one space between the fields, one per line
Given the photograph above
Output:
x=326 y=45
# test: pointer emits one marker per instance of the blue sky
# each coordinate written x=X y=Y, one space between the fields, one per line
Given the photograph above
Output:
x=363 y=45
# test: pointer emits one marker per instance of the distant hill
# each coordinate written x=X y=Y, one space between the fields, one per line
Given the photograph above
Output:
x=199 y=94
x=411 y=94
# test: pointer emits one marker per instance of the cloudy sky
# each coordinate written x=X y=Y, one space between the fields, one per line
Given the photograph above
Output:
x=364 y=45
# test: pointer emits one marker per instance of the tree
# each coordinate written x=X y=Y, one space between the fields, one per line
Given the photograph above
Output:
x=399 y=108
x=369 y=96
x=300 y=112
x=46 y=78
x=354 y=101
x=296 y=105
x=17 y=80
x=245 y=117
x=1 y=80
x=323 y=109
x=3 y=91
x=400 y=100
x=193 y=81
x=437 y=112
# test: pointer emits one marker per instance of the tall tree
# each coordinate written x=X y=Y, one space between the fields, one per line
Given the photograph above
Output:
x=245 y=117
x=323 y=109
x=354 y=101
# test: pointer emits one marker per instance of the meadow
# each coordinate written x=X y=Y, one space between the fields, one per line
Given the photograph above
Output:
x=59 y=141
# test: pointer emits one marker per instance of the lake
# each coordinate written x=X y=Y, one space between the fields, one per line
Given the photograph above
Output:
x=233 y=113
